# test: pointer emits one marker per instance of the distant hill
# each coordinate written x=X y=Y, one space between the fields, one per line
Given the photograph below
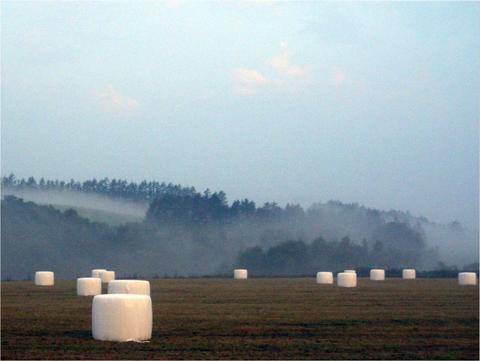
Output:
x=38 y=237
x=157 y=228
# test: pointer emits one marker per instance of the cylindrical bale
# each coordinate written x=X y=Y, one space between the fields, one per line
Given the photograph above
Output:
x=96 y=272
x=377 y=275
x=122 y=317
x=240 y=274
x=347 y=279
x=409 y=274
x=350 y=271
x=89 y=286
x=467 y=278
x=44 y=278
x=107 y=276
x=129 y=287
x=325 y=278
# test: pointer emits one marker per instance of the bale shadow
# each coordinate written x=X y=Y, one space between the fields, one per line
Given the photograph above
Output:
x=79 y=334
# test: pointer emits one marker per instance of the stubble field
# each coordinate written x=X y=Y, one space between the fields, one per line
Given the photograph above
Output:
x=254 y=319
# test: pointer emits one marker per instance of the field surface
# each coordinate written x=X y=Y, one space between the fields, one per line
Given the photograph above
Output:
x=254 y=319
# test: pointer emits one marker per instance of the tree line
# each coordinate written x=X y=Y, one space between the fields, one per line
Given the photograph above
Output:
x=170 y=201
x=145 y=191
x=396 y=246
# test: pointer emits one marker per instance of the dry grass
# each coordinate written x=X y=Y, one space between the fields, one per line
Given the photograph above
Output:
x=254 y=319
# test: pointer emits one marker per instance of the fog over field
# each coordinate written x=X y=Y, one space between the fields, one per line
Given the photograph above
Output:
x=75 y=199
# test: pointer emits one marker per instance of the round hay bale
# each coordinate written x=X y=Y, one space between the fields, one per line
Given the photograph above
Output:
x=129 y=287
x=44 y=278
x=347 y=279
x=409 y=274
x=467 y=278
x=377 y=275
x=350 y=271
x=89 y=286
x=240 y=274
x=96 y=272
x=325 y=278
x=122 y=317
x=107 y=276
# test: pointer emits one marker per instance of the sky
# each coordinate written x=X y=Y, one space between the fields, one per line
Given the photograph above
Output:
x=294 y=102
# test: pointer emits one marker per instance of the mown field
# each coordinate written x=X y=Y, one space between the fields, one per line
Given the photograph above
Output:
x=254 y=319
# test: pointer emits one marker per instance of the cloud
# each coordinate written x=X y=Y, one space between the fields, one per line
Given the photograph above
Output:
x=260 y=2
x=111 y=101
x=287 y=75
x=338 y=77
x=281 y=63
x=281 y=74
x=252 y=3
x=247 y=81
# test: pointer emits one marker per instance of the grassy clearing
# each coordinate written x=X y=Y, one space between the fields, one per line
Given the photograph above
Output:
x=254 y=319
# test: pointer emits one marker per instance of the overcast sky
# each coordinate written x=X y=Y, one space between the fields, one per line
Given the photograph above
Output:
x=375 y=103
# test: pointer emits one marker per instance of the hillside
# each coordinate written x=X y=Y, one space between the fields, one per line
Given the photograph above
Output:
x=183 y=232
x=36 y=237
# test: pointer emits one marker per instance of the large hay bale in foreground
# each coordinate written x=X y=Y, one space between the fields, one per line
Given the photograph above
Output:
x=97 y=272
x=138 y=287
x=89 y=286
x=107 y=276
x=377 y=275
x=467 y=278
x=240 y=274
x=347 y=279
x=325 y=278
x=44 y=278
x=122 y=317
x=409 y=274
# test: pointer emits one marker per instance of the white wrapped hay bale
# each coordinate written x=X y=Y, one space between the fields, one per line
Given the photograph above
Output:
x=122 y=317
x=325 y=278
x=107 y=276
x=409 y=274
x=129 y=287
x=96 y=272
x=350 y=271
x=44 y=278
x=240 y=274
x=377 y=275
x=89 y=286
x=347 y=279
x=467 y=278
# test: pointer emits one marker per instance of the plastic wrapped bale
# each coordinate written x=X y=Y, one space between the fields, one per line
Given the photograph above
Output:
x=44 y=278
x=350 y=271
x=409 y=274
x=377 y=275
x=107 y=276
x=347 y=279
x=325 y=278
x=240 y=274
x=129 y=287
x=89 y=286
x=96 y=272
x=121 y=317
x=467 y=278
